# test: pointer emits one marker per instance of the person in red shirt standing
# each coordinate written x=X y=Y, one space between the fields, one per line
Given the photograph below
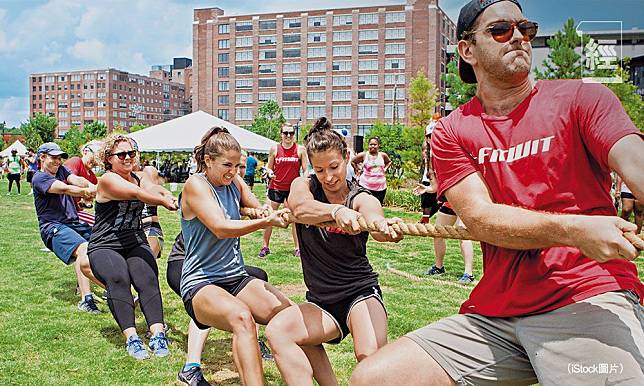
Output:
x=285 y=160
x=82 y=167
x=527 y=168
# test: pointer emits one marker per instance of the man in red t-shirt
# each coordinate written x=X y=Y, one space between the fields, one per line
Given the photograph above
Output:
x=527 y=168
x=82 y=167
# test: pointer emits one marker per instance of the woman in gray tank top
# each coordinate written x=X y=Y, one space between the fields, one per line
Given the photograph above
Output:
x=215 y=287
x=343 y=293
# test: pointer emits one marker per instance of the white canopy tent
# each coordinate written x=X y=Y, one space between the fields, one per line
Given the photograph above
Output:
x=22 y=150
x=184 y=133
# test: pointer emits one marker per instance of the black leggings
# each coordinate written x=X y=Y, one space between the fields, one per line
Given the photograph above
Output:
x=14 y=177
x=118 y=269
x=173 y=274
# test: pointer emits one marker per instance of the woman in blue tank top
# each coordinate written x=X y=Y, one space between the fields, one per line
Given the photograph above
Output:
x=215 y=287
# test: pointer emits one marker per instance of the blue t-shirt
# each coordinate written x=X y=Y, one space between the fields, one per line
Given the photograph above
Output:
x=52 y=208
x=251 y=165
x=32 y=166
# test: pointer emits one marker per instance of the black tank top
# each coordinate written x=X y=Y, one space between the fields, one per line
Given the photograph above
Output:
x=118 y=224
x=334 y=263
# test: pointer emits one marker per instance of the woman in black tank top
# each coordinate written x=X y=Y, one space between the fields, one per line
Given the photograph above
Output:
x=119 y=254
x=343 y=294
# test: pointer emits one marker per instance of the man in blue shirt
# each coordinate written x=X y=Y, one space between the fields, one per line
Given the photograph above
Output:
x=251 y=165
x=60 y=228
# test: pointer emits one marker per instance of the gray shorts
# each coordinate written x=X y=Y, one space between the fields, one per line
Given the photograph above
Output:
x=596 y=341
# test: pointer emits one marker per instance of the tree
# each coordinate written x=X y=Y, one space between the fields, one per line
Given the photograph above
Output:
x=402 y=144
x=423 y=95
x=562 y=61
x=458 y=92
x=73 y=141
x=137 y=127
x=95 y=130
x=627 y=93
x=39 y=129
x=269 y=120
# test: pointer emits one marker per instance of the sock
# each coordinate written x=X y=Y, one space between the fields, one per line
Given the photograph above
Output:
x=190 y=365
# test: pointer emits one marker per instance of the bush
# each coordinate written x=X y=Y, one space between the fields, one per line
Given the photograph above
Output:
x=403 y=198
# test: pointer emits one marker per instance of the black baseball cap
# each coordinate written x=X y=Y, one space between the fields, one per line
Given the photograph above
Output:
x=51 y=148
x=466 y=18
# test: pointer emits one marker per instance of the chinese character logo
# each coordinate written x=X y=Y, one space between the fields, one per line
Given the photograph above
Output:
x=602 y=52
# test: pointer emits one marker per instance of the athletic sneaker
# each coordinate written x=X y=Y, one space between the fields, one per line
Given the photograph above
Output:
x=159 y=345
x=263 y=252
x=135 y=348
x=192 y=377
x=466 y=279
x=435 y=271
x=88 y=305
x=296 y=252
x=166 y=330
x=264 y=350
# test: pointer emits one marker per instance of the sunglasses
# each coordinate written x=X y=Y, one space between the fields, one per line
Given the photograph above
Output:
x=502 y=31
x=122 y=154
x=288 y=133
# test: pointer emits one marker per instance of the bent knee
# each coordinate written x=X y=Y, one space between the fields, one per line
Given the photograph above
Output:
x=242 y=321
x=366 y=352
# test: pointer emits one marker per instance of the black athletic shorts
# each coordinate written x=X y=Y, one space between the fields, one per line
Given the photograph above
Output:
x=446 y=210
x=339 y=311
x=30 y=176
x=232 y=286
x=627 y=195
x=278 y=195
x=427 y=200
x=249 y=180
x=13 y=177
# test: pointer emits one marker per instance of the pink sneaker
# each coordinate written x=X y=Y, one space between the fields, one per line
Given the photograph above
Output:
x=296 y=252
x=263 y=252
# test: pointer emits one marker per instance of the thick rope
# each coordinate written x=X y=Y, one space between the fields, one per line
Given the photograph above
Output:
x=423 y=230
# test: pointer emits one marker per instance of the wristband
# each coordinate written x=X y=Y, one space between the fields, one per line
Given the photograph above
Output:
x=335 y=211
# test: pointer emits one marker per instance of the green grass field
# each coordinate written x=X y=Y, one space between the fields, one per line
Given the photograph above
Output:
x=45 y=340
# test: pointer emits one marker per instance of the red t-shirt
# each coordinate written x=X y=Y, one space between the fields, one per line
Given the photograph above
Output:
x=286 y=168
x=549 y=154
x=75 y=166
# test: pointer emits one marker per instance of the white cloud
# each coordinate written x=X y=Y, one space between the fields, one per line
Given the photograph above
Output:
x=14 y=110
x=91 y=51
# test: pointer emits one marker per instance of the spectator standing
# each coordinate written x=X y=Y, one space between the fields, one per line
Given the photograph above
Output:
x=251 y=166
x=375 y=164
x=14 y=168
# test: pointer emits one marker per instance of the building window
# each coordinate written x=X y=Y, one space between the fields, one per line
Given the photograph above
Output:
x=291 y=53
x=222 y=72
x=243 y=55
x=289 y=68
x=292 y=38
x=292 y=23
x=316 y=66
x=342 y=112
x=290 y=96
x=224 y=43
x=243 y=26
x=394 y=64
x=342 y=20
x=223 y=58
x=394 y=48
x=317 y=21
x=267 y=39
x=222 y=114
x=342 y=65
x=246 y=41
x=342 y=36
x=291 y=112
x=368 y=34
x=400 y=111
x=400 y=94
x=342 y=81
x=316 y=81
x=244 y=83
x=223 y=100
x=267 y=54
x=243 y=98
x=267 y=24
x=344 y=95
x=342 y=50
x=223 y=86
x=368 y=111
x=315 y=96
x=317 y=52
x=267 y=82
x=364 y=130
x=89 y=114
x=315 y=112
x=62 y=114
x=50 y=79
x=371 y=64
x=368 y=49
x=267 y=68
x=243 y=69
x=266 y=96
x=224 y=28
x=244 y=113
x=75 y=78
x=291 y=82
x=394 y=33
x=394 y=79
x=368 y=94
x=395 y=17
x=368 y=18
x=317 y=37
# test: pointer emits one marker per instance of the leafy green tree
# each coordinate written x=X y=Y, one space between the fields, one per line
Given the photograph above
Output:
x=562 y=61
x=95 y=130
x=39 y=129
x=423 y=95
x=73 y=141
x=458 y=92
x=627 y=93
x=269 y=120
x=137 y=127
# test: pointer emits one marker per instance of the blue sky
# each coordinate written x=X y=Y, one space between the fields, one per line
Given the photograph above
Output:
x=132 y=35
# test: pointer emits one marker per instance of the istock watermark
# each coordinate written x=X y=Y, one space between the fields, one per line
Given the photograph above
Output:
x=575 y=368
x=602 y=58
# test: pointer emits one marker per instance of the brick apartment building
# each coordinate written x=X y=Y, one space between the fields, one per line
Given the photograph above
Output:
x=346 y=64
x=112 y=97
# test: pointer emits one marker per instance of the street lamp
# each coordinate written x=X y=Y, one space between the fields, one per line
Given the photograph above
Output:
x=297 y=129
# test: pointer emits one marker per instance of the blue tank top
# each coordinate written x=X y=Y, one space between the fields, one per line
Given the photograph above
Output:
x=209 y=259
